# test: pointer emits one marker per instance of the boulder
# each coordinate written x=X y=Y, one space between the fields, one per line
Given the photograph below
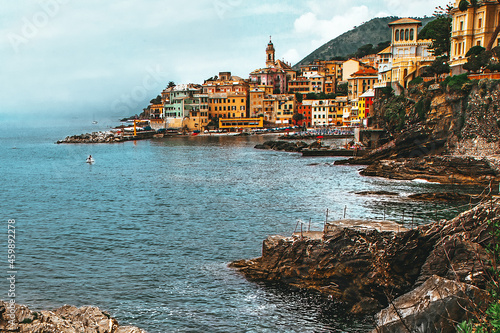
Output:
x=435 y=306
x=66 y=319
x=441 y=169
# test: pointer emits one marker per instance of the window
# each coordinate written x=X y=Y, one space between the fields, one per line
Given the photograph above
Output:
x=407 y=34
x=396 y=35
x=480 y=23
x=412 y=34
x=402 y=34
x=461 y=25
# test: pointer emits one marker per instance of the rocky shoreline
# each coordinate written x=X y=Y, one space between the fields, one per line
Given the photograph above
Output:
x=66 y=319
x=464 y=170
x=368 y=267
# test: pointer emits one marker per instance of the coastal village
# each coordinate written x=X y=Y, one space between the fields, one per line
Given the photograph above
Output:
x=324 y=93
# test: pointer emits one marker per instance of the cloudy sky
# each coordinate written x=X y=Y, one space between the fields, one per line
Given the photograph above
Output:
x=86 y=57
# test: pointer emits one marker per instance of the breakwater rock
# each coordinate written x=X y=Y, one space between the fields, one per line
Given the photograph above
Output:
x=288 y=145
x=66 y=319
x=94 y=137
x=442 y=169
x=366 y=266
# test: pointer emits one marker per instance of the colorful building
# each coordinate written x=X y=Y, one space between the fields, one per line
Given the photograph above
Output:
x=365 y=104
x=305 y=109
x=474 y=26
x=227 y=105
x=178 y=106
x=328 y=112
x=361 y=81
x=409 y=54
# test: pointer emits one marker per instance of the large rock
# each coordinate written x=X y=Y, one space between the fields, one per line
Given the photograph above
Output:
x=66 y=319
x=289 y=146
x=364 y=264
x=441 y=169
x=435 y=306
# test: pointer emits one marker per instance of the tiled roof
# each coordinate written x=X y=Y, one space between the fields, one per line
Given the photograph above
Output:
x=367 y=71
x=405 y=21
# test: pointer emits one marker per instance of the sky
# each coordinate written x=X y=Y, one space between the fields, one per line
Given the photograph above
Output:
x=89 y=58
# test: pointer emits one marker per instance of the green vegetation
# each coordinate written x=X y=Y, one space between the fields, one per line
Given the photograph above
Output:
x=456 y=82
x=369 y=49
x=438 y=67
x=321 y=95
x=297 y=117
x=156 y=100
x=395 y=113
x=489 y=321
x=342 y=89
x=480 y=59
x=416 y=81
x=422 y=108
x=439 y=31
x=299 y=97
x=214 y=123
x=374 y=31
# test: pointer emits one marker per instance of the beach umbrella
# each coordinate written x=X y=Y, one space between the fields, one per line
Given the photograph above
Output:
x=319 y=137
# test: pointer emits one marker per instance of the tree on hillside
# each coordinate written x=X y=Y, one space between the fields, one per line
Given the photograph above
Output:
x=299 y=97
x=342 y=89
x=297 y=117
x=370 y=49
x=439 y=30
x=438 y=67
x=156 y=100
x=478 y=58
x=171 y=84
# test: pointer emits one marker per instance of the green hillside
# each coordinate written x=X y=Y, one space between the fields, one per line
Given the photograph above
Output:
x=372 y=32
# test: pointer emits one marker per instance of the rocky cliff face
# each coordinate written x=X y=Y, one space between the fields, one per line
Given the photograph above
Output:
x=460 y=129
x=67 y=319
x=429 y=121
x=366 y=266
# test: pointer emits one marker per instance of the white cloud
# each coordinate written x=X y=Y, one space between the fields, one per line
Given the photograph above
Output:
x=292 y=56
x=321 y=31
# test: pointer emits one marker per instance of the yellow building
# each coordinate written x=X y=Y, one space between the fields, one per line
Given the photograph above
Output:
x=365 y=104
x=239 y=123
x=472 y=27
x=284 y=107
x=409 y=54
x=227 y=105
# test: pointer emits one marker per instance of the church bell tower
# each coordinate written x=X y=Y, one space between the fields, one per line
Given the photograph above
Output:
x=270 y=62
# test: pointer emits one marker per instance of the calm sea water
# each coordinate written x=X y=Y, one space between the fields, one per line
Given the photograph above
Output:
x=146 y=232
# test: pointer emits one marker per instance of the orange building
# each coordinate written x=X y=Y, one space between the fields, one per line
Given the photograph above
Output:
x=361 y=81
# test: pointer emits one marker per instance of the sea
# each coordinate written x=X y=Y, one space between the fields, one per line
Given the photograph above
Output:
x=146 y=233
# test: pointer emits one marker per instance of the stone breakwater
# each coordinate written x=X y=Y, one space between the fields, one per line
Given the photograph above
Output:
x=107 y=137
x=94 y=137
x=66 y=319
x=288 y=146
x=368 y=267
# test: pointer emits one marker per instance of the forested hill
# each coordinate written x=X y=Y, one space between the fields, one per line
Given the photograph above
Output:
x=373 y=32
